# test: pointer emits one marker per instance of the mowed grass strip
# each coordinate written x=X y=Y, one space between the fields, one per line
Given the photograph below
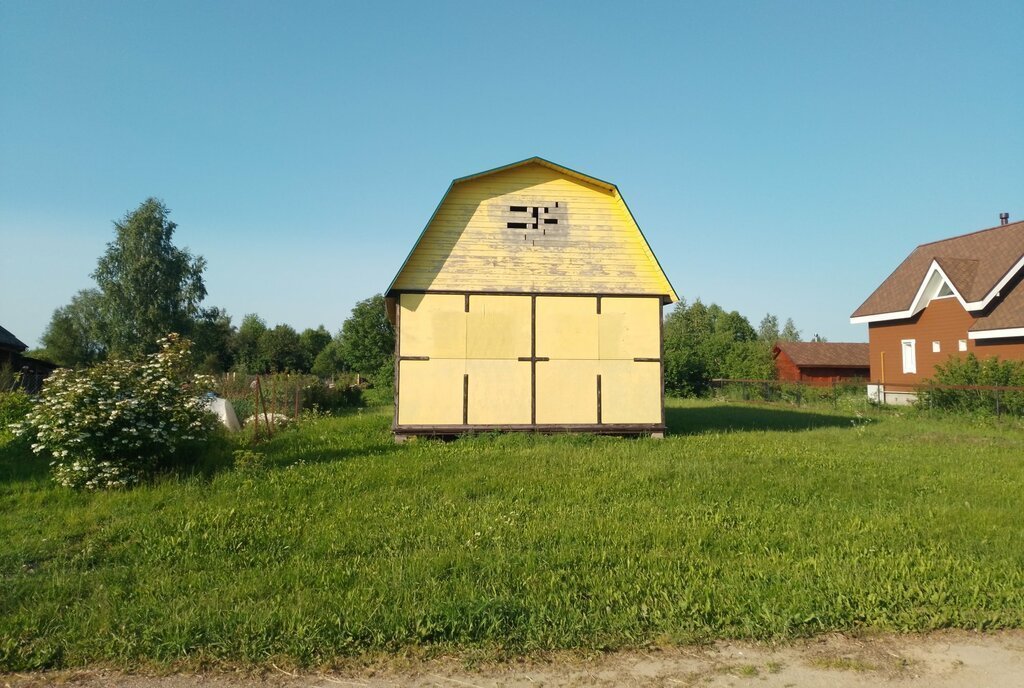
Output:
x=747 y=522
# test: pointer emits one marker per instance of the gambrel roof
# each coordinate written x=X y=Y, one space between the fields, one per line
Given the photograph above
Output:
x=976 y=268
x=533 y=227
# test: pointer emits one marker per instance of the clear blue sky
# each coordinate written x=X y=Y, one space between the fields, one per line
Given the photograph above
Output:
x=780 y=156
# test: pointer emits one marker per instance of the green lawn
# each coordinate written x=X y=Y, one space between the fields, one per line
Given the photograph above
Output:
x=755 y=522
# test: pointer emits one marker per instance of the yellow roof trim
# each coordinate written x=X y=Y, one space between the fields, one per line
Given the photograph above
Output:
x=537 y=160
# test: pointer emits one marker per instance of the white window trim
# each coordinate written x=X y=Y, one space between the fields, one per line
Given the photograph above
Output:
x=910 y=369
x=936 y=347
x=962 y=345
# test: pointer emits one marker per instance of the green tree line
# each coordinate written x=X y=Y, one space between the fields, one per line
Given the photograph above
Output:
x=706 y=342
x=147 y=287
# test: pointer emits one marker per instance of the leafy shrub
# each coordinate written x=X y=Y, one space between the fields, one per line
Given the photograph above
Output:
x=706 y=342
x=10 y=379
x=382 y=385
x=14 y=406
x=243 y=407
x=367 y=337
x=971 y=371
x=328 y=398
x=117 y=422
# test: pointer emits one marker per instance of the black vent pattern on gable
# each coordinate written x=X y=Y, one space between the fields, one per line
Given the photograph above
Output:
x=534 y=216
x=532 y=220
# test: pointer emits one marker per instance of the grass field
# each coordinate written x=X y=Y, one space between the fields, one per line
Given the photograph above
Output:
x=748 y=521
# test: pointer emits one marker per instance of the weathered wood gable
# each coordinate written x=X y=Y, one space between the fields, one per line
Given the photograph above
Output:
x=533 y=227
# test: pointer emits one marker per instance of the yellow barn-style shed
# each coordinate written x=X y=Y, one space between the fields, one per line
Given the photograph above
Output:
x=531 y=301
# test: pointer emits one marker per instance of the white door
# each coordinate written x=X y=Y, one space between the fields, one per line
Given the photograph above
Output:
x=909 y=356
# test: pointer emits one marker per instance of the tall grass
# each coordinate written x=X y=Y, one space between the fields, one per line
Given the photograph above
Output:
x=847 y=395
x=288 y=393
x=747 y=522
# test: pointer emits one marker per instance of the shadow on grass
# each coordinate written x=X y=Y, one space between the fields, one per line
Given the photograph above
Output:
x=204 y=459
x=286 y=447
x=702 y=419
x=209 y=458
x=19 y=464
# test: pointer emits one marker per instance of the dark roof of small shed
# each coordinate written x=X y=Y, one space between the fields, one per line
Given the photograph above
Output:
x=826 y=354
x=9 y=341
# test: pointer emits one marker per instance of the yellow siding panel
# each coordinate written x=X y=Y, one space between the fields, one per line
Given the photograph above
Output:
x=630 y=328
x=566 y=249
x=499 y=392
x=630 y=392
x=430 y=392
x=567 y=392
x=498 y=327
x=567 y=327
x=433 y=325
x=468 y=246
x=515 y=182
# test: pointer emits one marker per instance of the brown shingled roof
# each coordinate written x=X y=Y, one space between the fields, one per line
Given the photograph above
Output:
x=974 y=262
x=1008 y=313
x=827 y=354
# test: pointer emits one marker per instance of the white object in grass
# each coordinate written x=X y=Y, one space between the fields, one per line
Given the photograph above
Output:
x=224 y=411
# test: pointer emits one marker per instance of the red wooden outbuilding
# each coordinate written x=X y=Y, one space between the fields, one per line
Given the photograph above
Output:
x=821 y=363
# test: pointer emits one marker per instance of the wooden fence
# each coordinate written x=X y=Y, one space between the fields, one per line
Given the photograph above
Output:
x=787 y=390
x=287 y=394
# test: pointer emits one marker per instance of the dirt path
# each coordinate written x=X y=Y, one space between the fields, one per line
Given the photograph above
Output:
x=935 y=660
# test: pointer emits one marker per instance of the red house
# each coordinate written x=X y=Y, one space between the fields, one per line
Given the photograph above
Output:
x=821 y=363
x=948 y=298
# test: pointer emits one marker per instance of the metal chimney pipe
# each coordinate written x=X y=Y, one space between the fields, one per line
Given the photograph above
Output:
x=1004 y=218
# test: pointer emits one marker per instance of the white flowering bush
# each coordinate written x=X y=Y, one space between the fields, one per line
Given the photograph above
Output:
x=115 y=423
